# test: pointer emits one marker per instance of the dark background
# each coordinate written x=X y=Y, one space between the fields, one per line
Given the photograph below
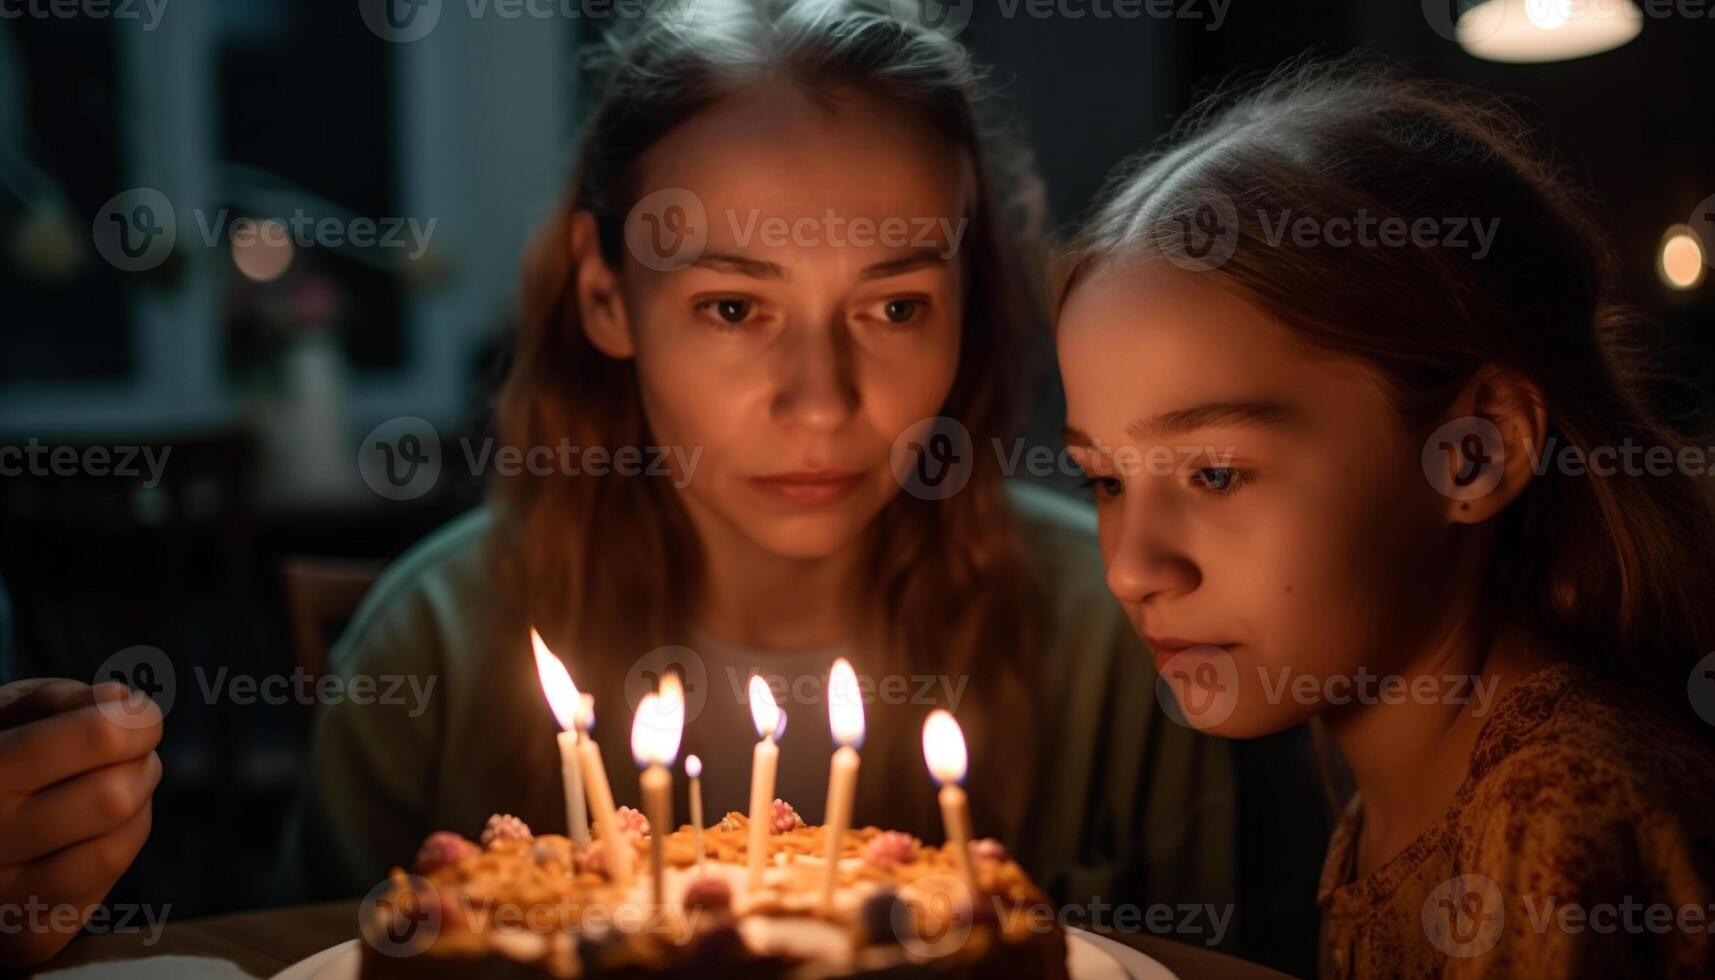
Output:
x=263 y=106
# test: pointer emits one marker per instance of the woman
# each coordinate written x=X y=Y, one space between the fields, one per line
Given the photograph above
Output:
x=788 y=376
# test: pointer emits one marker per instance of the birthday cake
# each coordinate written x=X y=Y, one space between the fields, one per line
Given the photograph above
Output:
x=516 y=904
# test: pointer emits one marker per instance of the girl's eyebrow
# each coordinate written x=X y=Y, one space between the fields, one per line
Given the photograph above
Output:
x=1182 y=420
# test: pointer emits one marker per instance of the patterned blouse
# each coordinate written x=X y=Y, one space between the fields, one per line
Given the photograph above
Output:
x=1581 y=844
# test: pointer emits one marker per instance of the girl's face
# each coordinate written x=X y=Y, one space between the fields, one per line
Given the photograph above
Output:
x=1264 y=517
x=820 y=319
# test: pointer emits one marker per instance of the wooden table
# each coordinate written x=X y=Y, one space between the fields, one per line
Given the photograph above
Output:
x=264 y=943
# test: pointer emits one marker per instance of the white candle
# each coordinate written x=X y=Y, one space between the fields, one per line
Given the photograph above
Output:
x=565 y=701
x=655 y=732
x=845 y=720
x=944 y=751
x=694 y=770
x=770 y=720
x=601 y=804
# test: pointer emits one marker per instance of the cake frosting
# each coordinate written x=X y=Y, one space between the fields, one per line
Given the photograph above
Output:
x=527 y=905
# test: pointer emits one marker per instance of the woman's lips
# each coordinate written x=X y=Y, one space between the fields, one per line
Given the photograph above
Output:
x=809 y=488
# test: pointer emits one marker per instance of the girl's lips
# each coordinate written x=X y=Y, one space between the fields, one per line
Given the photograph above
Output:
x=1165 y=648
x=809 y=488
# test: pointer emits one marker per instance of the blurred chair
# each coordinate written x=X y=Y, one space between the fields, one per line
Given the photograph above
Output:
x=321 y=596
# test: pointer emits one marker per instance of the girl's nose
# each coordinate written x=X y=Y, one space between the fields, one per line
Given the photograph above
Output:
x=1143 y=562
x=817 y=388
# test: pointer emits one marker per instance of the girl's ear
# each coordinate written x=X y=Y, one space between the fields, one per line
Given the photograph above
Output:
x=1500 y=422
x=601 y=308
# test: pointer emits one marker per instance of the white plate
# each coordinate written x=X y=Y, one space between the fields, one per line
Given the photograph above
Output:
x=1088 y=957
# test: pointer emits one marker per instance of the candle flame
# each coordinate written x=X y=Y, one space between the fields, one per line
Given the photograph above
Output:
x=657 y=726
x=944 y=747
x=563 y=697
x=693 y=767
x=763 y=709
x=845 y=704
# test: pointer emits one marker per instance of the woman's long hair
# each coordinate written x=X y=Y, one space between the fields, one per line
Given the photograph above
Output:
x=1610 y=571
x=608 y=567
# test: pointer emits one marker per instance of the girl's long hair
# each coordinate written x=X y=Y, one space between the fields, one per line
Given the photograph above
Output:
x=1610 y=571
x=608 y=568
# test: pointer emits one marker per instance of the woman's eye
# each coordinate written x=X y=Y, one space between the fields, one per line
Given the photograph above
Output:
x=731 y=312
x=1219 y=479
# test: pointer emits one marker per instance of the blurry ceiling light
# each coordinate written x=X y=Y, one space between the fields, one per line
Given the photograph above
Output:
x=262 y=250
x=1681 y=259
x=1547 y=30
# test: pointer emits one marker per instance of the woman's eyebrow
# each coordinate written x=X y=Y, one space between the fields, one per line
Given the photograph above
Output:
x=739 y=265
x=911 y=262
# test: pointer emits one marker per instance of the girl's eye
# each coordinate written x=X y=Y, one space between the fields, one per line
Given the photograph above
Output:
x=1219 y=480
x=1102 y=487
x=729 y=312
x=901 y=310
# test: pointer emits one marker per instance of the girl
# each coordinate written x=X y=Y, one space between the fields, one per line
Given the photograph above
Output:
x=790 y=238
x=1378 y=529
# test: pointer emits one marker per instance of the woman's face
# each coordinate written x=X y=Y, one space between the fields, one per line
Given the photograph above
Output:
x=819 y=320
x=1264 y=518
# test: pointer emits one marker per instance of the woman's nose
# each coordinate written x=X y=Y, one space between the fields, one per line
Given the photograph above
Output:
x=817 y=388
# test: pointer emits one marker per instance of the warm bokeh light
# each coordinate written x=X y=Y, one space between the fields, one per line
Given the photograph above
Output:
x=763 y=710
x=845 y=704
x=1681 y=261
x=1522 y=31
x=944 y=747
x=657 y=727
x=557 y=686
x=693 y=767
x=263 y=252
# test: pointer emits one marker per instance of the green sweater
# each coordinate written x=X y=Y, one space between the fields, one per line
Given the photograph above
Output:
x=1125 y=806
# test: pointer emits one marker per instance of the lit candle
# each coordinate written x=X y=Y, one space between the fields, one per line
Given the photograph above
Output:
x=845 y=719
x=944 y=751
x=600 y=795
x=566 y=703
x=655 y=732
x=770 y=724
x=694 y=769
